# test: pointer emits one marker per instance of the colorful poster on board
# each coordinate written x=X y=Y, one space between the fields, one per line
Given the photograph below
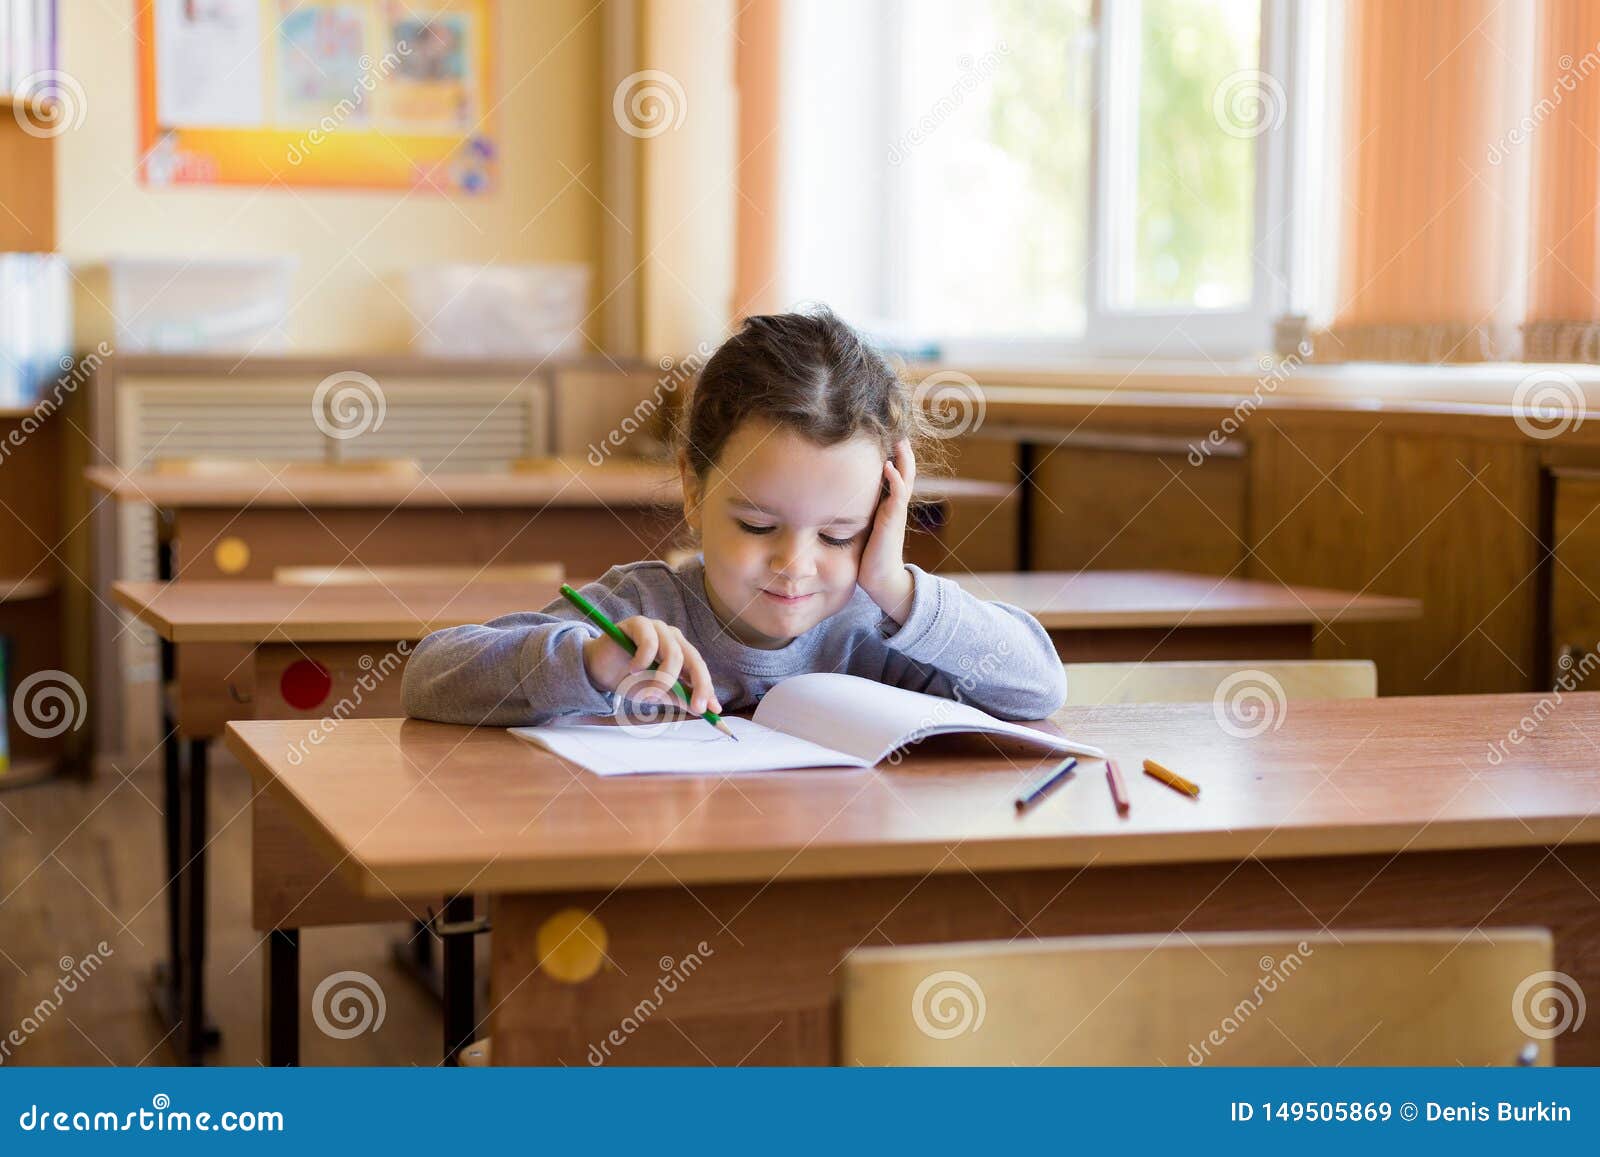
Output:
x=336 y=93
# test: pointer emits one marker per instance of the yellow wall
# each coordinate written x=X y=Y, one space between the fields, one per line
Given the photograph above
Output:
x=352 y=246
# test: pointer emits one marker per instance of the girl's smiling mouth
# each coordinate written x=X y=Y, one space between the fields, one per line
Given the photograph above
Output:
x=786 y=600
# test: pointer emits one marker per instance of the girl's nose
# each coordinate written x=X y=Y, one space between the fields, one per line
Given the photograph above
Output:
x=792 y=558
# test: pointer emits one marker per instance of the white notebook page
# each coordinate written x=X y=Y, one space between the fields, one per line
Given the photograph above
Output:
x=868 y=719
x=686 y=745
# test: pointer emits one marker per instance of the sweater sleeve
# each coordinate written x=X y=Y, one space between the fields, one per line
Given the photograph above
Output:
x=995 y=656
x=520 y=670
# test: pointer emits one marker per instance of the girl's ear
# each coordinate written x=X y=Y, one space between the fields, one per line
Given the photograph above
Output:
x=693 y=492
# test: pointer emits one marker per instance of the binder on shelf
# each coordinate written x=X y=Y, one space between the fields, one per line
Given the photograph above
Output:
x=35 y=325
x=28 y=37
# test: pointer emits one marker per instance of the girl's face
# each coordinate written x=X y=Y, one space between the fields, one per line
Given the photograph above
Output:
x=783 y=524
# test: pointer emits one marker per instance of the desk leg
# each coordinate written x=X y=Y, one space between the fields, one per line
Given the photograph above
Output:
x=1025 y=489
x=281 y=990
x=456 y=930
x=172 y=805
x=193 y=887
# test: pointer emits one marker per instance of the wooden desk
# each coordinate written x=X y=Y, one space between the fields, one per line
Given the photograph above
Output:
x=1119 y=615
x=1360 y=813
x=243 y=524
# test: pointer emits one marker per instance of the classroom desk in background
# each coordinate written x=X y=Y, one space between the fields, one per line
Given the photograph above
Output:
x=1105 y=616
x=243 y=524
x=1091 y=615
x=1343 y=814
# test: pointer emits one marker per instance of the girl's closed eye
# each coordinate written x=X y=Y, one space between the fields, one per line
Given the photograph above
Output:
x=752 y=528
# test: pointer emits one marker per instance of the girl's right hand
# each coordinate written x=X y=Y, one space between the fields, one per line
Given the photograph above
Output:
x=609 y=665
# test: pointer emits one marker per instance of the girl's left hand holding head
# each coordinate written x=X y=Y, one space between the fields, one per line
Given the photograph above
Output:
x=883 y=574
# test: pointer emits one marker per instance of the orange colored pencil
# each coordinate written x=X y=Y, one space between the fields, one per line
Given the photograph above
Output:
x=1119 y=790
x=1171 y=778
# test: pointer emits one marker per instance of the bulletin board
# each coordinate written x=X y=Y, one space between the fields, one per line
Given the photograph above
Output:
x=375 y=94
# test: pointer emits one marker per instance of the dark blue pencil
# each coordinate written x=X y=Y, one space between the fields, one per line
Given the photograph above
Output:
x=1050 y=778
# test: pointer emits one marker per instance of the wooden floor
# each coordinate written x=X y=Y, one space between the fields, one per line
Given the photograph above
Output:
x=81 y=863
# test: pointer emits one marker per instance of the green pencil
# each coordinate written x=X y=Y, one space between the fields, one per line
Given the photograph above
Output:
x=598 y=617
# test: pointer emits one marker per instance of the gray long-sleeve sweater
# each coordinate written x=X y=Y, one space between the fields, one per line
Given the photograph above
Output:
x=527 y=669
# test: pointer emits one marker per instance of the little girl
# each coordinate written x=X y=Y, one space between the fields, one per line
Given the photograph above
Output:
x=797 y=468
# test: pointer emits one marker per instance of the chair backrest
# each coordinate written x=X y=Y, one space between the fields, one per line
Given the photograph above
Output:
x=402 y=467
x=1096 y=684
x=1467 y=997
x=356 y=575
x=577 y=463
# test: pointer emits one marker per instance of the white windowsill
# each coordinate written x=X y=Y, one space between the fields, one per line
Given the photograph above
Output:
x=1487 y=387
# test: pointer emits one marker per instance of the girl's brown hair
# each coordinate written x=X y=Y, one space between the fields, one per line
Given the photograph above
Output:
x=808 y=372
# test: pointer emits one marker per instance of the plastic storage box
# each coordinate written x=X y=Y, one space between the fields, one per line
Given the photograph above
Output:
x=186 y=305
x=498 y=311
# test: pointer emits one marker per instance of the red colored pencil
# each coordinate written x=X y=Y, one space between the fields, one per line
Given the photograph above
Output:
x=1119 y=790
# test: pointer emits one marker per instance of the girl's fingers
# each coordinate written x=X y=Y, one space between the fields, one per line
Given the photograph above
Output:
x=674 y=656
x=643 y=633
x=907 y=462
x=899 y=492
x=671 y=661
x=700 y=680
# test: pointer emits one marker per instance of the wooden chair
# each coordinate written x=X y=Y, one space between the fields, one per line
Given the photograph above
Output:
x=1457 y=997
x=1098 y=684
x=355 y=574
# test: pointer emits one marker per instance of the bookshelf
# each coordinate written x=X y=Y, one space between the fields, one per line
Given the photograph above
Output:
x=32 y=466
x=27 y=180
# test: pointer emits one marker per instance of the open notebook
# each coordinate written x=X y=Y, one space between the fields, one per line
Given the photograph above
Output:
x=816 y=720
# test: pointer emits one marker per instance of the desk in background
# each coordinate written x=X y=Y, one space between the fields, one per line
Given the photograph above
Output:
x=1352 y=814
x=1129 y=615
x=588 y=518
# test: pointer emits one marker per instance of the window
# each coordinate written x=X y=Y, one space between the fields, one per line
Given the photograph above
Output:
x=1028 y=180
